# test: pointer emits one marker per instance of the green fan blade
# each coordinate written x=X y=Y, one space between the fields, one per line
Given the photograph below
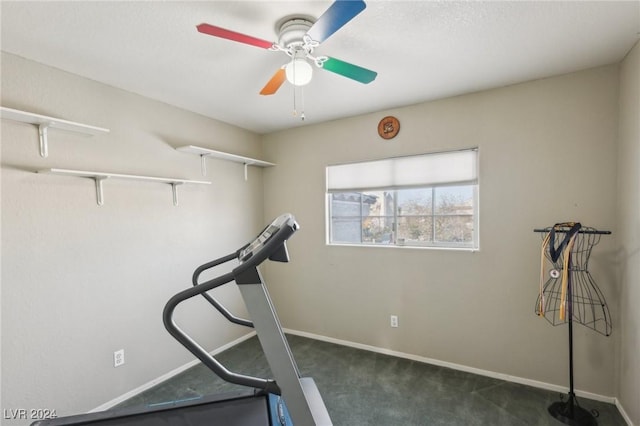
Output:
x=348 y=70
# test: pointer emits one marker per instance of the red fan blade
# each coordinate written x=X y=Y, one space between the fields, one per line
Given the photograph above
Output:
x=274 y=84
x=234 y=36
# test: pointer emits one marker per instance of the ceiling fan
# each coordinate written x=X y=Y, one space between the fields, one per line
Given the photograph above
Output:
x=298 y=37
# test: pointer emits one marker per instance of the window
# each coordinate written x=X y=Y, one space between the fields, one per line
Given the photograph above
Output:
x=426 y=200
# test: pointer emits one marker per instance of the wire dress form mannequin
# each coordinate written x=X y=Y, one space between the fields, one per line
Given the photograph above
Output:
x=588 y=304
x=570 y=295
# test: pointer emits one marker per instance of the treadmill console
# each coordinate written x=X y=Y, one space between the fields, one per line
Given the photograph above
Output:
x=281 y=224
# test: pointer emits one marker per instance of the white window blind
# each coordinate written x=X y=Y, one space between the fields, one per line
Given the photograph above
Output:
x=456 y=167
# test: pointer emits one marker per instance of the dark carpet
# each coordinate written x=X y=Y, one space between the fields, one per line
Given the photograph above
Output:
x=366 y=388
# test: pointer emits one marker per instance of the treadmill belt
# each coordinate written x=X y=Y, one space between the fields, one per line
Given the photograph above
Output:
x=245 y=411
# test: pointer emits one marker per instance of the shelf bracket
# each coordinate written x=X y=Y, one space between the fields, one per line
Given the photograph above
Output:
x=174 y=190
x=42 y=132
x=99 y=191
x=246 y=171
x=203 y=164
x=44 y=123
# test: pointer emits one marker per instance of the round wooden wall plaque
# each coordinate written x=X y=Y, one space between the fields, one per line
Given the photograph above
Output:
x=388 y=127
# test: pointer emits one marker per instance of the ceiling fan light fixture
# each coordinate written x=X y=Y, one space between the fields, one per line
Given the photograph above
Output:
x=298 y=72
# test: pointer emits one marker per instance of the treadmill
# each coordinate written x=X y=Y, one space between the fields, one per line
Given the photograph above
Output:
x=285 y=400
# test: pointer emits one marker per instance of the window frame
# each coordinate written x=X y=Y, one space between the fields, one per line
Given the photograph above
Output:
x=474 y=185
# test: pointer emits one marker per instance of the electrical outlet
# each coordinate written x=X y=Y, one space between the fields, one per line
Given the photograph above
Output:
x=394 y=321
x=118 y=358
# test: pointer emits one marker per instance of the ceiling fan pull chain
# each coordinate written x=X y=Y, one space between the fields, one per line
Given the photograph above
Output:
x=295 y=113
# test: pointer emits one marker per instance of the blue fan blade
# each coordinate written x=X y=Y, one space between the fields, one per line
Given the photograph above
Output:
x=334 y=18
x=348 y=70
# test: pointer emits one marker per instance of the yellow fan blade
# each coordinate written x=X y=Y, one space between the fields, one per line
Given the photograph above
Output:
x=274 y=84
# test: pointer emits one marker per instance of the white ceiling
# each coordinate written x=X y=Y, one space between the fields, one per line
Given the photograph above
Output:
x=422 y=50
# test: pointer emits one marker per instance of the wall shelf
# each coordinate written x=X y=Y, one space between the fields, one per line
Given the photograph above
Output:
x=98 y=177
x=205 y=152
x=44 y=123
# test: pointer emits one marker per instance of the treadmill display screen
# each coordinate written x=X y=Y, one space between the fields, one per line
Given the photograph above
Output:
x=262 y=239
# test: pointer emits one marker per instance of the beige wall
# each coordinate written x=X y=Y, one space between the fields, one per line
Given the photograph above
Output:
x=547 y=154
x=80 y=281
x=629 y=235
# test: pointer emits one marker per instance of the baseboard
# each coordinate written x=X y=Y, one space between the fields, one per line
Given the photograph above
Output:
x=623 y=413
x=473 y=370
x=167 y=376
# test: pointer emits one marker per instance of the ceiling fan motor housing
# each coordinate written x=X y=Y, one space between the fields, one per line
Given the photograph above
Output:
x=292 y=32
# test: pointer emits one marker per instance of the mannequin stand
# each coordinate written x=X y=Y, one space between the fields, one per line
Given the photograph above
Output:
x=569 y=411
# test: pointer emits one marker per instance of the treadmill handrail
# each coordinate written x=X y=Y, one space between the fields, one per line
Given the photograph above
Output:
x=207 y=359
x=274 y=247
x=224 y=259
x=219 y=306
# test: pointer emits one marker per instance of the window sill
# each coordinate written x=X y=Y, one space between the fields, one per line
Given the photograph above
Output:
x=404 y=247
